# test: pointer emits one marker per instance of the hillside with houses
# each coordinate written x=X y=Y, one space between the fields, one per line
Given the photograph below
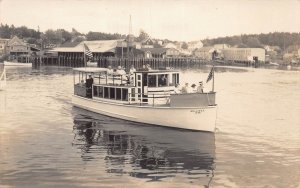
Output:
x=22 y=43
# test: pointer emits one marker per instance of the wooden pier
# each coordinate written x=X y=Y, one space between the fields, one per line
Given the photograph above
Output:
x=155 y=63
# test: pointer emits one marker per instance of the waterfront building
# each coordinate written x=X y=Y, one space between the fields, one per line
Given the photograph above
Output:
x=99 y=48
x=194 y=45
x=205 y=53
x=147 y=43
x=18 y=49
x=244 y=54
x=160 y=52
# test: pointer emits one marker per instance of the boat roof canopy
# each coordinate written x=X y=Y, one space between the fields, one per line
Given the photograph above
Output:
x=90 y=69
x=157 y=71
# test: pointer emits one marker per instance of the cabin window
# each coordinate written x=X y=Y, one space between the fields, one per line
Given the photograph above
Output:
x=152 y=80
x=112 y=93
x=96 y=93
x=132 y=95
x=145 y=80
x=175 y=79
x=162 y=80
x=118 y=93
x=100 y=91
x=124 y=94
x=106 y=94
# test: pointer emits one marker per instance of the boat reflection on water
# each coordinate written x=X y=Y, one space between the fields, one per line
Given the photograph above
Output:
x=145 y=151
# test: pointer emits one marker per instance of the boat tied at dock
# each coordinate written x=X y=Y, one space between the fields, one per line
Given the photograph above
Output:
x=145 y=96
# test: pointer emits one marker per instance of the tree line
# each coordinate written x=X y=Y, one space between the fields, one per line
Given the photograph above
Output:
x=281 y=39
x=54 y=37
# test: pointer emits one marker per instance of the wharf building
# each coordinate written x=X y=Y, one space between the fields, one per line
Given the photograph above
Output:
x=244 y=54
x=17 y=50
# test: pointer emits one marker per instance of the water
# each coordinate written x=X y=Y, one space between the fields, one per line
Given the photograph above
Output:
x=45 y=142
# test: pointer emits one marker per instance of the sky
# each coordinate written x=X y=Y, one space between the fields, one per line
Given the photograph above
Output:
x=180 y=20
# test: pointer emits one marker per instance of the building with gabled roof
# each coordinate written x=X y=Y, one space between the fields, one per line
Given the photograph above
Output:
x=147 y=43
x=194 y=45
x=205 y=53
x=160 y=52
x=99 y=48
x=17 y=47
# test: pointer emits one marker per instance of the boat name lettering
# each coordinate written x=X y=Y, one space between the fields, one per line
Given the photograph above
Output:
x=197 y=111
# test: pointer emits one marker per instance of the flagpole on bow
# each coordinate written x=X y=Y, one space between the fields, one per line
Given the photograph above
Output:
x=84 y=58
x=211 y=75
x=213 y=79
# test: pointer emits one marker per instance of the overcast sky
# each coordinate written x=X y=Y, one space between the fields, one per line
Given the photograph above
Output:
x=173 y=19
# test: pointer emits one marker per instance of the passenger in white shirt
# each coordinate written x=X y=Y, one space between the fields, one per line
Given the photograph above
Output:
x=200 y=88
x=120 y=71
x=132 y=70
x=110 y=71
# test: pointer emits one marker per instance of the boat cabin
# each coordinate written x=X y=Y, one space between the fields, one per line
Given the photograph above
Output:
x=143 y=87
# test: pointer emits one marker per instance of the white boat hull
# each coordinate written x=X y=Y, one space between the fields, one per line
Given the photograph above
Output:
x=9 y=63
x=193 y=118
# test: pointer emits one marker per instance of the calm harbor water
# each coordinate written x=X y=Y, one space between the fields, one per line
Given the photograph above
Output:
x=45 y=142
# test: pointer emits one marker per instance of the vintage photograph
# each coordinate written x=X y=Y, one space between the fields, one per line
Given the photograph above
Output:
x=150 y=93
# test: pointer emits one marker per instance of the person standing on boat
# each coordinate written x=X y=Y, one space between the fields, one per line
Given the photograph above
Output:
x=185 y=88
x=89 y=84
x=200 y=87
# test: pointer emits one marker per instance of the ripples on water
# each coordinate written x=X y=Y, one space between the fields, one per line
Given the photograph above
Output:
x=45 y=142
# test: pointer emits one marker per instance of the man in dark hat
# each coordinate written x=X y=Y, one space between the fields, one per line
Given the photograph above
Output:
x=89 y=84
x=200 y=87
x=193 y=89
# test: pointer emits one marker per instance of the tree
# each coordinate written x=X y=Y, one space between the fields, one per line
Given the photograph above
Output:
x=142 y=36
x=253 y=42
x=184 y=45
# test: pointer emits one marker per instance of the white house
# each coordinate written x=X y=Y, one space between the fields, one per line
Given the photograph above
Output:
x=244 y=54
x=205 y=53
x=195 y=45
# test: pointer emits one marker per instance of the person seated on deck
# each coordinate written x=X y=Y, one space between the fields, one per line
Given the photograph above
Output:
x=193 y=89
x=177 y=90
x=132 y=70
x=185 y=88
x=200 y=87
x=148 y=67
x=162 y=80
x=89 y=84
x=120 y=71
x=110 y=71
